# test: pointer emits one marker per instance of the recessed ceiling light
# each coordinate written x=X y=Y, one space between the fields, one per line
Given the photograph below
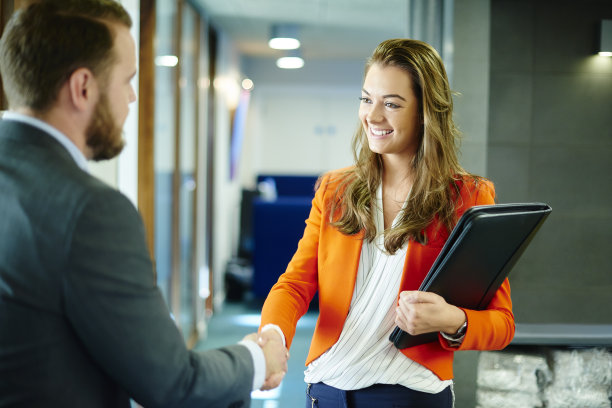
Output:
x=284 y=37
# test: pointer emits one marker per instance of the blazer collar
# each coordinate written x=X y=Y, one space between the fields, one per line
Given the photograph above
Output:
x=75 y=153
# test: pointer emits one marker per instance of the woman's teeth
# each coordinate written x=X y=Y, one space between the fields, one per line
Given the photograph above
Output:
x=377 y=132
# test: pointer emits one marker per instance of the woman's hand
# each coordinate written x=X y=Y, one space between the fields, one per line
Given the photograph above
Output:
x=271 y=341
x=424 y=312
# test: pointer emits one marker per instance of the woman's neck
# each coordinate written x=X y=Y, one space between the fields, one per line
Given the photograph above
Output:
x=397 y=182
x=397 y=173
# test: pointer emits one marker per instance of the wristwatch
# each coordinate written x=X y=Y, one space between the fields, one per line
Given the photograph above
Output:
x=457 y=338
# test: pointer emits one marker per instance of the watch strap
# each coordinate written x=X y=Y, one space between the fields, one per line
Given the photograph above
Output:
x=457 y=338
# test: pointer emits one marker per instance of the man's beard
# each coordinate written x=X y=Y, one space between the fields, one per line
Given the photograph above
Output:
x=104 y=137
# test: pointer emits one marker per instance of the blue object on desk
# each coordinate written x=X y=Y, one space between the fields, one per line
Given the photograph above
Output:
x=291 y=185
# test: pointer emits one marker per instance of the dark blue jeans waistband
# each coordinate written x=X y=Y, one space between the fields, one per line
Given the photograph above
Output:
x=321 y=395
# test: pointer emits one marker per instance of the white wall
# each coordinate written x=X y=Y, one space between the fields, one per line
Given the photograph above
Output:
x=300 y=129
x=300 y=121
x=226 y=200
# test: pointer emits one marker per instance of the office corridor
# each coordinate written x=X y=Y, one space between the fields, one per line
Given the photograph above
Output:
x=236 y=320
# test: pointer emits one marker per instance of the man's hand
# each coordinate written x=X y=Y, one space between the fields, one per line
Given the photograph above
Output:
x=425 y=312
x=276 y=358
x=250 y=337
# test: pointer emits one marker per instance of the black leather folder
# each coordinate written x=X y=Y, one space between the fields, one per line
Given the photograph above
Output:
x=477 y=257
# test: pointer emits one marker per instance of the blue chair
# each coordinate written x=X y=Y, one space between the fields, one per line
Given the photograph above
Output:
x=278 y=225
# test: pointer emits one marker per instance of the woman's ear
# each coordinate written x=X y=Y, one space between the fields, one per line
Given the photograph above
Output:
x=83 y=89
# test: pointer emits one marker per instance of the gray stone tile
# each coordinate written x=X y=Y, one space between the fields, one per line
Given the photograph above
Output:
x=572 y=109
x=572 y=179
x=512 y=30
x=564 y=275
x=510 y=112
x=508 y=168
x=473 y=157
x=470 y=113
x=567 y=33
x=471 y=30
x=577 y=305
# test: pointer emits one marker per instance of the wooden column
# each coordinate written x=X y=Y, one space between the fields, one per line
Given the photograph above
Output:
x=194 y=335
x=146 y=122
x=210 y=171
x=175 y=280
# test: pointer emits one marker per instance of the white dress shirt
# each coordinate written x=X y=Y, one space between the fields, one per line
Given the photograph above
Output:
x=363 y=355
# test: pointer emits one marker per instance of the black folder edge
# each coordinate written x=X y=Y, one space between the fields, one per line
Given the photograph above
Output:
x=400 y=338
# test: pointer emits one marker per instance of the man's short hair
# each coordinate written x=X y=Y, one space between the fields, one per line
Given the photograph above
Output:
x=46 y=42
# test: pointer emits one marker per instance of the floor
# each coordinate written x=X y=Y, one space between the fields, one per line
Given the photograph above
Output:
x=236 y=320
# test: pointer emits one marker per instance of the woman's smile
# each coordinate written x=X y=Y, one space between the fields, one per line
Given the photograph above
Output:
x=379 y=133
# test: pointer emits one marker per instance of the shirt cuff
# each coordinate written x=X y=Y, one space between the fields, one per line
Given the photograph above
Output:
x=455 y=340
x=271 y=326
x=259 y=363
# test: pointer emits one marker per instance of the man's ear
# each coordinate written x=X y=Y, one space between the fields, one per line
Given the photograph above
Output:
x=83 y=89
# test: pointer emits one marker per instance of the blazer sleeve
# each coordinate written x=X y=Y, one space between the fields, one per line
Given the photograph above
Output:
x=119 y=314
x=290 y=297
x=492 y=328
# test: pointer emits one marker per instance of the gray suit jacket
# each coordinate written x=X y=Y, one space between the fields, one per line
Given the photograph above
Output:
x=82 y=322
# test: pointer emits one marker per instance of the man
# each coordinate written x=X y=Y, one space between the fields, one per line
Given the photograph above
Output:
x=82 y=323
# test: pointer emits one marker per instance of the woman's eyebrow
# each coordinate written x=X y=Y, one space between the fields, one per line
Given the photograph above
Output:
x=387 y=96
x=394 y=96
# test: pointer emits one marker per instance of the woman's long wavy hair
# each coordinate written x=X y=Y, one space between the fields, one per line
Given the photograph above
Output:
x=435 y=165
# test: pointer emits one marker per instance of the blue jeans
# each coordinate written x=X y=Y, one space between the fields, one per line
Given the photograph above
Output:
x=320 y=395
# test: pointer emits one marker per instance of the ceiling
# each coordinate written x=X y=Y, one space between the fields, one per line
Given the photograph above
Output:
x=329 y=29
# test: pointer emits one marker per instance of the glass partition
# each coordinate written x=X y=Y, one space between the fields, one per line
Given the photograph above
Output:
x=181 y=157
x=165 y=98
x=187 y=165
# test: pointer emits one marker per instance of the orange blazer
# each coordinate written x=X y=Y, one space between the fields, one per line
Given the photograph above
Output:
x=327 y=261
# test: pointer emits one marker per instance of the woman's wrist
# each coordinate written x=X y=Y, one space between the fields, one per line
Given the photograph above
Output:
x=458 y=321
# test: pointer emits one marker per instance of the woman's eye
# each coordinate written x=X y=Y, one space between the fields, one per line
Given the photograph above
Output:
x=391 y=105
x=363 y=99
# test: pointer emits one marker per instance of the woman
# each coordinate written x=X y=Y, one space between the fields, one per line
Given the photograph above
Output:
x=373 y=232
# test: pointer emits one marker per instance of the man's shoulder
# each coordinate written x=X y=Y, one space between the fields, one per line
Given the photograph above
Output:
x=31 y=149
x=40 y=167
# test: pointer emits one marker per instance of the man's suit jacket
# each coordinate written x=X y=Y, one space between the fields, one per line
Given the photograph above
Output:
x=82 y=322
x=327 y=261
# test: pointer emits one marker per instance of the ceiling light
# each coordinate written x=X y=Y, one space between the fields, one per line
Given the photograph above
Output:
x=284 y=37
x=605 y=40
x=293 y=60
x=247 y=84
x=166 y=60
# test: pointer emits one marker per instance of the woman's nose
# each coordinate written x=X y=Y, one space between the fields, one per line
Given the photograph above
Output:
x=375 y=113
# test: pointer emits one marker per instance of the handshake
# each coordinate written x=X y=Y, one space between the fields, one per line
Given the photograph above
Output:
x=276 y=356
